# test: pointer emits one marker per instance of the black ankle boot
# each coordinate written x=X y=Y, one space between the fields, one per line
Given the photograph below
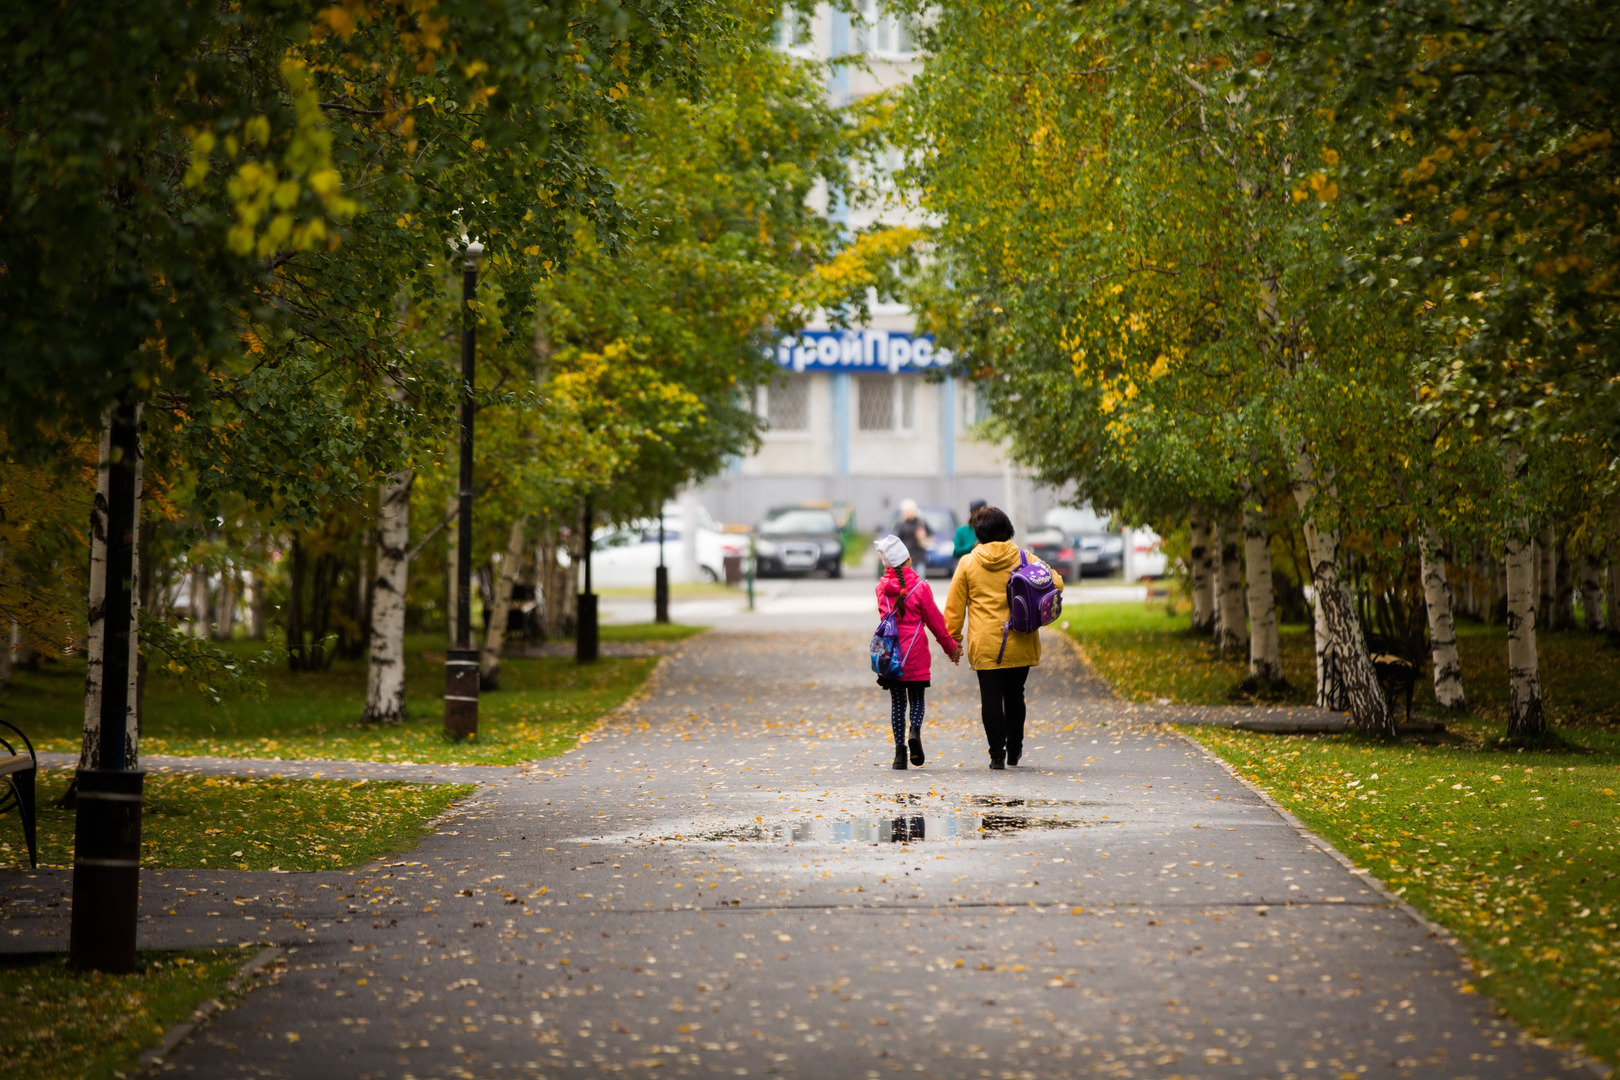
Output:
x=899 y=756
x=998 y=762
x=915 y=745
x=1013 y=754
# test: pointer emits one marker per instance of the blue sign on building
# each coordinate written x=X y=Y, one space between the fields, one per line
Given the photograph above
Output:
x=860 y=350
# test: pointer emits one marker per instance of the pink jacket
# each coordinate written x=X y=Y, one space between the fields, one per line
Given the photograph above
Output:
x=920 y=608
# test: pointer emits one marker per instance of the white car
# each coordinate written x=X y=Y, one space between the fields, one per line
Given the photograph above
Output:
x=627 y=555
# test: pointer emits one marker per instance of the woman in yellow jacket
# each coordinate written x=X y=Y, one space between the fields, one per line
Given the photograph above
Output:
x=979 y=594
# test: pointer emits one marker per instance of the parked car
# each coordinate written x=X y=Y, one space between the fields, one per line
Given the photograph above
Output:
x=941 y=522
x=625 y=556
x=799 y=540
x=1088 y=548
x=1143 y=557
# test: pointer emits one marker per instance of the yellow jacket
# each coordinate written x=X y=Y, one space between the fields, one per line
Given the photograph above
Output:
x=979 y=594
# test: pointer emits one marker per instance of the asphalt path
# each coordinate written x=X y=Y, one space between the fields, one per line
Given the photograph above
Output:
x=729 y=880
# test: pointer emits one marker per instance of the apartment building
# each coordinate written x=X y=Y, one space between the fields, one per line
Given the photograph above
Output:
x=854 y=415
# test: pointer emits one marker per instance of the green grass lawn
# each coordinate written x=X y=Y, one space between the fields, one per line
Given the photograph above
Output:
x=1518 y=854
x=646 y=631
x=542 y=708
x=1515 y=852
x=61 y=1025
x=234 y=823
x=1148 y=654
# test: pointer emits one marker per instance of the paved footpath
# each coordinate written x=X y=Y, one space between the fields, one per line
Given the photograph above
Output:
x=730 y=881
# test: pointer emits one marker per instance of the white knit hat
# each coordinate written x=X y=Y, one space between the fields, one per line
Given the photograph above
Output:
x=893 y=550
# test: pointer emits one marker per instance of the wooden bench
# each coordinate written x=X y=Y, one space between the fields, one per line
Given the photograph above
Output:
x=17 y=773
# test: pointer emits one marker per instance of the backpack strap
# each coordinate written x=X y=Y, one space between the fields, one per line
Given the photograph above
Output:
x=1006 y=627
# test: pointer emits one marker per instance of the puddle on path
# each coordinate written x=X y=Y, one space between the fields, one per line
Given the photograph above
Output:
x=1002 y=817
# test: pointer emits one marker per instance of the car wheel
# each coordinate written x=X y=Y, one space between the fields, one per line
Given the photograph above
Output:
x=709 y=576
x=837 y=570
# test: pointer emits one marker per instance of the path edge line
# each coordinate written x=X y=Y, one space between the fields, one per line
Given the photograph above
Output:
x=623 y=709
x=153 y=1059
x=1434 y=929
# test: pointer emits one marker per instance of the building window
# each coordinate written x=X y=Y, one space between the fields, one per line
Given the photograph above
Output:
x=876 y=404
x=975 y=405
x=886 y=402
x=793 y=31
x=787 y=404
x=884 y=34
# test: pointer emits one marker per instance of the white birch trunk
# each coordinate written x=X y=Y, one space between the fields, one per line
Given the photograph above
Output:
x=199 y=603
x=1592 y=595
x=1202 y=572
x=489 y=660
x=1265 y=652
x=95 y=645
x=1448 y=685
x=1342 y=657
x=385 y=674
x=1525 y=716
x=1232 y=638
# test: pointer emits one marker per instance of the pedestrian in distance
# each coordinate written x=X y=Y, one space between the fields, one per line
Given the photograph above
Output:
x=964 y=540
x=905 y=671
x=1000 y=657
x=913 y=532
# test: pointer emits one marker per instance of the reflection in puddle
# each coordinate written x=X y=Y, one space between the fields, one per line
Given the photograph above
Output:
x=905 y=829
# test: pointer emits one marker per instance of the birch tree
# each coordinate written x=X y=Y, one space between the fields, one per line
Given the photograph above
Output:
x=489 y=659
x=385 y=673
x=1448 y=685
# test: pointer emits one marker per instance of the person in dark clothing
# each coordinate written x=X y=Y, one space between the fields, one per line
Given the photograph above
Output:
x=913 y=532
x=964 y=540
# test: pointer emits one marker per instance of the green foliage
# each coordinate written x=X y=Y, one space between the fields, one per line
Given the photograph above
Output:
x=1510 y=852
x=66 y=1025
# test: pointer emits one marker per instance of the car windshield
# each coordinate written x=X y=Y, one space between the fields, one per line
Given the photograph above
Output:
x=1075 y=521
x=798 y=521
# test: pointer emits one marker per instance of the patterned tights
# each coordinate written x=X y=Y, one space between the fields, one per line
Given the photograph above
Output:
x=897 y=714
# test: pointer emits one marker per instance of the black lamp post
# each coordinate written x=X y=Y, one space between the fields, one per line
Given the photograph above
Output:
x=107 y=822
x=461 y=662
x=585 y=639
x=661 y=578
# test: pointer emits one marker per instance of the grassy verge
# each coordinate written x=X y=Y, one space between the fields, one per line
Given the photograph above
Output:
x=231 y=823
x=61 y=1025
x=1149 y=655
x=1515 y=853
x=646 y=631
x=542 y=708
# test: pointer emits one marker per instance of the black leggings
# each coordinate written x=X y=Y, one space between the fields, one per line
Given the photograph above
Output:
x=897 y=711
x=1001 y=705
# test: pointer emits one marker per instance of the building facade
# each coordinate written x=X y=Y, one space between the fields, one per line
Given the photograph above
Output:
x=866 y=416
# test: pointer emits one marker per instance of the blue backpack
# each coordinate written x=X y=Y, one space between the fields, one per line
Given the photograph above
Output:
x=888 y=655
x=1033 y=599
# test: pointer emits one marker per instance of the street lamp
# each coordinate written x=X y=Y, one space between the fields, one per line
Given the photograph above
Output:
x=585 y=632
x=107 y=818
x=461 y=662
x=661 y=578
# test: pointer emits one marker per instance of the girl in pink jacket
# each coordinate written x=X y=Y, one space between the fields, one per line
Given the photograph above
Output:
x=901 y=586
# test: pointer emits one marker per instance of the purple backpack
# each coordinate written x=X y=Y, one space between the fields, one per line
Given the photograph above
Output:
x=1033 y=599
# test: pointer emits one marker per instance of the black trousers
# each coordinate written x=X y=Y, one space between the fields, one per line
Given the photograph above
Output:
x=1001 y=705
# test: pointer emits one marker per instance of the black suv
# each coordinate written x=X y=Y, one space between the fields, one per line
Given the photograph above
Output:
x=799 y=540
